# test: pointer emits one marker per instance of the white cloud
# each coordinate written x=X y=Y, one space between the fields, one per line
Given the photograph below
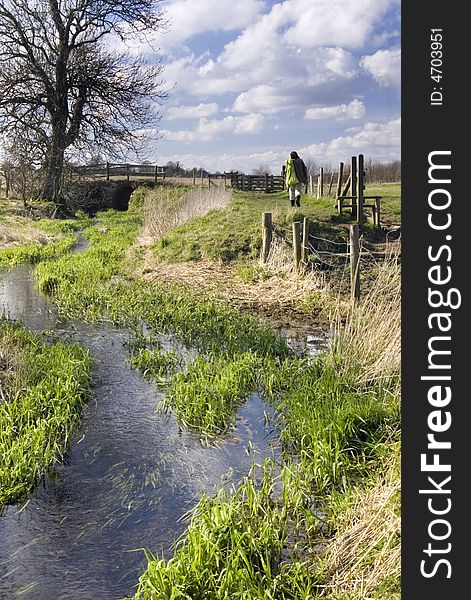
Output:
x=251 y=123
x=384 y=66
x=334 y=22
x=209 y=129
x=264 y=98
x=379 y=141
x=354 y=110
x=178 y=136
x=191 y=112
x=189 y=17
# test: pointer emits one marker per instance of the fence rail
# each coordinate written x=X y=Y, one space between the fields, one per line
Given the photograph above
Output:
x=255 y=183
x=108 y=170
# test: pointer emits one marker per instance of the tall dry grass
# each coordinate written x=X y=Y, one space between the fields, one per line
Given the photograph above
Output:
x=367 y=340
x=364 y=559
x=280 y=266
x=164 y=210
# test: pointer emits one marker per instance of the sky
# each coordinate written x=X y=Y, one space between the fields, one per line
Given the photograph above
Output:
x=251 y=80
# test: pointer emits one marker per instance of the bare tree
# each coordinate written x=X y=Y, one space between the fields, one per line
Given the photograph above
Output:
x=64 y=86
x=261 y=170
x=312 y=165
x=23 y=164
x=382 y=172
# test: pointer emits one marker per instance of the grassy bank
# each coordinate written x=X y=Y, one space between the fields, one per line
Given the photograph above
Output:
x=338 y=417
x=23 y=240
x=218 y=251
x=43 y=387
x=230 y=230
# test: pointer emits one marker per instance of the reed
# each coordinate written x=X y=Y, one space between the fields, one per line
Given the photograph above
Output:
x=165 y=209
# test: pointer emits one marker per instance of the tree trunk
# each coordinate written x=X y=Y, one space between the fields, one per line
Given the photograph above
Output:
x=55 y=157
x=53 y=176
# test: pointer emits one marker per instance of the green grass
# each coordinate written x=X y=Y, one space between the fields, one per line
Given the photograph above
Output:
x=33 y=253
x=65 y=237
x=233 y=233
x=335 y=429
x=232 y=549
x=41 y=407
x=206 y=396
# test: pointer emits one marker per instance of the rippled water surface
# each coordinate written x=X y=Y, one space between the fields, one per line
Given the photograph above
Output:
x=129 y=477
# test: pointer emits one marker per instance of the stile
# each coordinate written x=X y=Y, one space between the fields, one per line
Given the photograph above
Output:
x=353 y=181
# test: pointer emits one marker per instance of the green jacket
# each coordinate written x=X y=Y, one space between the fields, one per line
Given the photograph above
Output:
x=296 y=172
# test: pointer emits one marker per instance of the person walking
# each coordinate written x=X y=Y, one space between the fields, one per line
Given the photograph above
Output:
x=295 y=177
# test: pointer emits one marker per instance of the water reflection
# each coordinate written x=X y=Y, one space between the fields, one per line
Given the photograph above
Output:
x=129 y=477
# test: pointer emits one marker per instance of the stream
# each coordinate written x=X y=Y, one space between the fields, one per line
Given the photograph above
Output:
x=127 y=479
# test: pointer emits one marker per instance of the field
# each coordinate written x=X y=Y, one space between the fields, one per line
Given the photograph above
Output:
x=325 y=521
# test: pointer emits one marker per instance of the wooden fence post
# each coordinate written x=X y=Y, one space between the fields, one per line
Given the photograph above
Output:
x=347 y=186
x=127 y=172
x=305 y=244
x=297 y=244
x=266 y=183
x=378 y=212
x=156 y=173
x=107 y=171
x=165 y=172
x=267 y=230
x=321 y=181
x=353 y=185
x=311 y=184
x=194 y=176
x=331 y=183
x=339 y=182
x=355 y=262
x=360 y=188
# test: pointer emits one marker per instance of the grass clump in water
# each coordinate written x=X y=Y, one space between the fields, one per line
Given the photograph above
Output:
x=232 y=549
x=207 y=395
x=38 y=411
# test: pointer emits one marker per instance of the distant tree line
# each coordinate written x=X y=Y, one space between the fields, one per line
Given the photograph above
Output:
x=376 y=171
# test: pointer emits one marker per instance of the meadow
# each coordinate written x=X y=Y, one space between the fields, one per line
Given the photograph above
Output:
x=333 y=529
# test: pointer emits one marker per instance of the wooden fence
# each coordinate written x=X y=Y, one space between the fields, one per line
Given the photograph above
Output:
x=256 y=183
x=355 y=201
x=117 y=170
x=302 y=248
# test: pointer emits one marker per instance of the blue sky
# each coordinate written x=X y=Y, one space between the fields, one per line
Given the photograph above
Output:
x=251 y=80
